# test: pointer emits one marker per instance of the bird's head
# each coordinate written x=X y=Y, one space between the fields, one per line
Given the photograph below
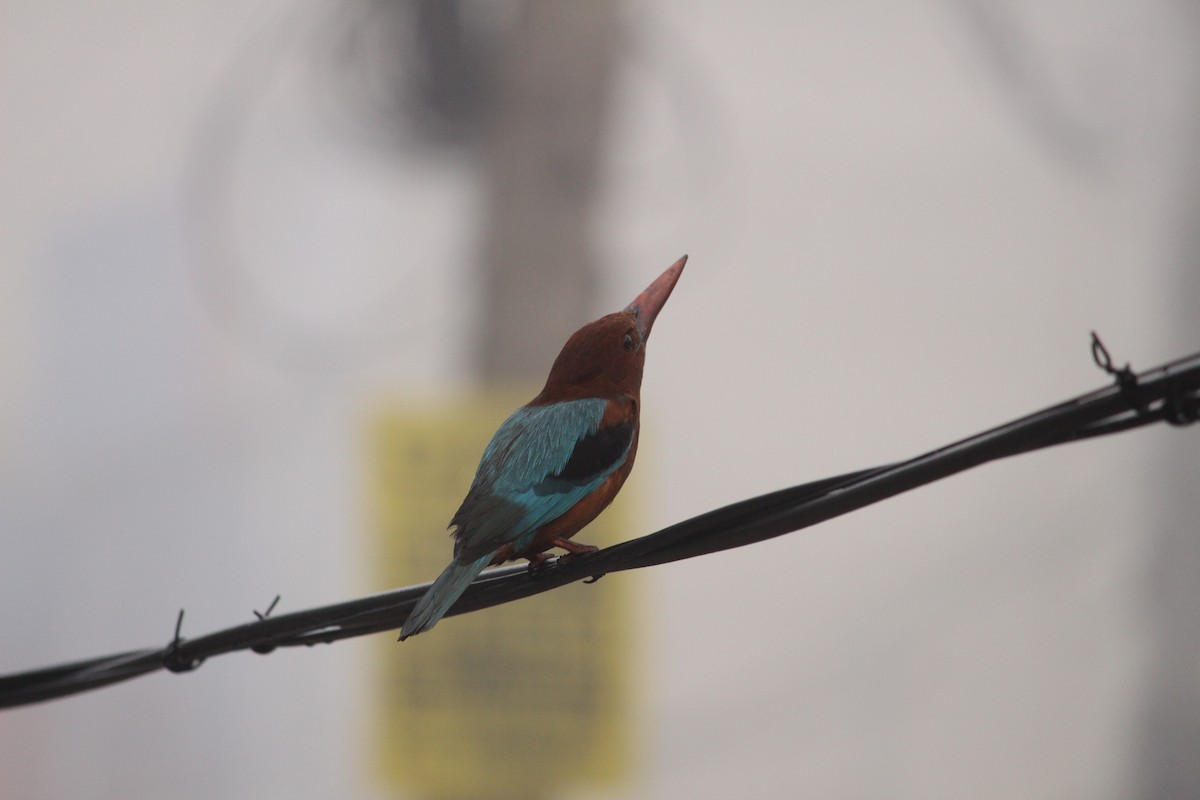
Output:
x=605 y=357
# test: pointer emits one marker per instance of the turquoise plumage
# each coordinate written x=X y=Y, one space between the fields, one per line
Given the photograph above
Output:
x=557 y=461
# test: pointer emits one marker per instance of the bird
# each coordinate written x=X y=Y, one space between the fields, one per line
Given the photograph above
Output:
x=558 y=460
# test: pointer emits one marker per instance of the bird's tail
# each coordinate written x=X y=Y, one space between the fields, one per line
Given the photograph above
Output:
x=434 y=604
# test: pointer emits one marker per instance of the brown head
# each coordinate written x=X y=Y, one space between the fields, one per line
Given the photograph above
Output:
x=605 y=358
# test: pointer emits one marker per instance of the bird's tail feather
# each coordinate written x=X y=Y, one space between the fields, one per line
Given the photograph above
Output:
x=434 y=604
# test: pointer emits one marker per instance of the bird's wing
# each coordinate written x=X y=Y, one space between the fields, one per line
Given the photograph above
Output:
x=541 y=462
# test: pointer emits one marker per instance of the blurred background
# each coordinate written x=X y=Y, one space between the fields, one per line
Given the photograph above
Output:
x=242 y=244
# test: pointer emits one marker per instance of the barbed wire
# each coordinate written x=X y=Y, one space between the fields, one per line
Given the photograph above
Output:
x=1169 y=393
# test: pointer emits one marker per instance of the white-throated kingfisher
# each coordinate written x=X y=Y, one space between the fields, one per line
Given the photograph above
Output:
x=559 y=460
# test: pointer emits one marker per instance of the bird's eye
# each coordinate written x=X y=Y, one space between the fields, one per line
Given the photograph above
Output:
x=627 y=342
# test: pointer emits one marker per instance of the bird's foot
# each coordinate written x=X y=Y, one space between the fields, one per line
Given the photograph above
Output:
x=537 y=563
x=574 y=548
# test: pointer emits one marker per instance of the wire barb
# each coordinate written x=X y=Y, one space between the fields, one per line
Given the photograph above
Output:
x=1125 y=377
x=264 y=614
x=263 y=648
x=172 y=659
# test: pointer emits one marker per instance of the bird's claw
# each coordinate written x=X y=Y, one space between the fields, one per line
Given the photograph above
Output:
x=537 y=565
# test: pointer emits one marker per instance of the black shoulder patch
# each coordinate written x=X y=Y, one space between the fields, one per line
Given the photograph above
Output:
x=595 y=453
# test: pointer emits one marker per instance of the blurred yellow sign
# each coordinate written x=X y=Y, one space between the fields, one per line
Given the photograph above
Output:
x=515 y=701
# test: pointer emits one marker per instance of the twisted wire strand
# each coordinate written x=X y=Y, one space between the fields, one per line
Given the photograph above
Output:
x=1169 y=393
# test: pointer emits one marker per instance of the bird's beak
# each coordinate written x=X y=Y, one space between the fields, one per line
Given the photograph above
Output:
x=646 y=305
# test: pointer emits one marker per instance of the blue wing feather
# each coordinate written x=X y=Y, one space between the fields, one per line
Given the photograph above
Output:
x=510 y=498
x=531 y=473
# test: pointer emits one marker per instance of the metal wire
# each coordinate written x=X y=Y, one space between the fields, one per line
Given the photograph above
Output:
x=1169 y=393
